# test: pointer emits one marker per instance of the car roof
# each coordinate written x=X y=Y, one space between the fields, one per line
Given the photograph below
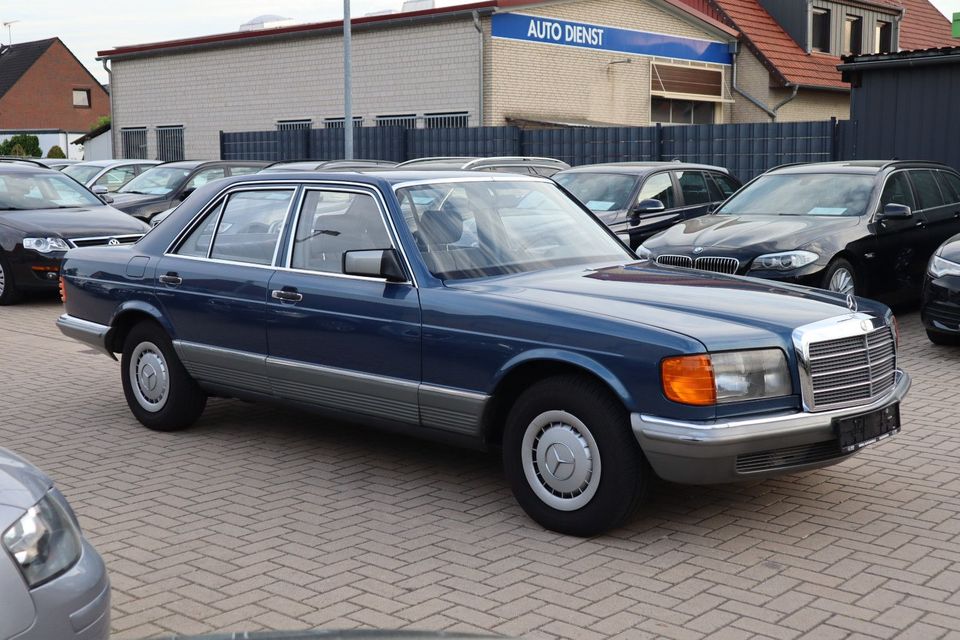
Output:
x=863 y=167
x=640 y=168
x=193 y=164
x=380 y=176
x=111 y=163
x=14 y=167
x=471 y=162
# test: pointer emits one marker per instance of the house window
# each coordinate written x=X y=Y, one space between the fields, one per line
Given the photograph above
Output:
x=673 y=111
x=81 y=98
x=133 y=142
x=337 y=123
x=455 y=119
x=408 y=121
x=820 y=31
x=671 y=81
x=170 y=143
x=294 y=125
x=853 y=36
x=884 y=37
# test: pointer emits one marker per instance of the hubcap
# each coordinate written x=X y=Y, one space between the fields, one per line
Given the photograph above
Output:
x=3 y=279
x=149 y=377
x=560 y=460
x=841 y=281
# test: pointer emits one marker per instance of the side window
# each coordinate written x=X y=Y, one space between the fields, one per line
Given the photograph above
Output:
x=694 y=187
x=333 y=222
x=250 y=226
x=205 y=176
x=949 y=186
x=116 y=178
x=197 y=244
x=928 y=193
x=897 y=191
x=658 y=187
x=728 y=186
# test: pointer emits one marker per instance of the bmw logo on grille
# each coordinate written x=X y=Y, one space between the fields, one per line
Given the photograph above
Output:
x=698 y=249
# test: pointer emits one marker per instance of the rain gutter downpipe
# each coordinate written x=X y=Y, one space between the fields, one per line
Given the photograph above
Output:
x=478 y=26
x=757 y=103
x=113 y=138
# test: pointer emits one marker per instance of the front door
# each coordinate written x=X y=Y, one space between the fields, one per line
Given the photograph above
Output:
x=213 y=287
x=660 y=187
x=891 y=267
x=341 y=342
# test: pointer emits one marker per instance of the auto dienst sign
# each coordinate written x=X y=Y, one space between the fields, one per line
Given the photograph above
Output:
x=517 y=26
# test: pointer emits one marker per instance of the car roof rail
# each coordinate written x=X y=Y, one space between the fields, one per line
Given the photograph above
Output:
x=23 y=160
x=912 y=163
x=553 y=162
x=785 y=165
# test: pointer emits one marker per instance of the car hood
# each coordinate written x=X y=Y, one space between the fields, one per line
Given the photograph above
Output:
x=722 y=312
x=754 y=233
x=135 y=198
x=78 y=222
x=21 y=483
x=950 y=250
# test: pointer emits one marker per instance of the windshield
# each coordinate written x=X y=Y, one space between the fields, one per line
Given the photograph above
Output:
x=600 y=191
x=82 y=173
x=158 y=181
x=24 y=191
x=805 y=194
x=474 y=229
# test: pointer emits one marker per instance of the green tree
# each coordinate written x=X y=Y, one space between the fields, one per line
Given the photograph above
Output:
x=56 y=152
x=101 y=121
x=28 y=146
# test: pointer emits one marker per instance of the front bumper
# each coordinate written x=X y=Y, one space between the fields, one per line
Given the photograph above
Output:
x=716 y=451
x=940 y=310
x=74 y=606
x=32 y=270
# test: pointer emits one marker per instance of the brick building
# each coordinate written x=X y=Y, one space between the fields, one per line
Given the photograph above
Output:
x=495 y=62
x=47 y=92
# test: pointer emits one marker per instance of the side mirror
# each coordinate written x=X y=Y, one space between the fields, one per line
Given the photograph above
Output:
x=651 y=205
x=100 y=190
x=893 y=211
x=374 y=263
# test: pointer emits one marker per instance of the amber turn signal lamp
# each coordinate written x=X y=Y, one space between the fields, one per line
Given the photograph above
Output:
x=63 y=291
x=689 y=380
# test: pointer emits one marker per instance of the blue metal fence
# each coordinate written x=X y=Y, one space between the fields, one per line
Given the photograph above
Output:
x=745 y=149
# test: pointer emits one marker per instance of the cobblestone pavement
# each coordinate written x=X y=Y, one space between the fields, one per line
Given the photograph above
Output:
x=259 y=518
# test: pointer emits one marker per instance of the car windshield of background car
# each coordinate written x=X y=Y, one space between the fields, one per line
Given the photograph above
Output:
x=43 y=191
x=599 y=191
x=156 y=182
x=476 y=229
x=803 y=194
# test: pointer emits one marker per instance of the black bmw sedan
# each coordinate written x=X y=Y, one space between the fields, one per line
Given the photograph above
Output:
x=940 y=311
x=42 y=214
x=864 y=228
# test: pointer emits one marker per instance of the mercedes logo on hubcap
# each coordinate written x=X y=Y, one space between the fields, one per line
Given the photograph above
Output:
x=149 y=376
x=560 y=461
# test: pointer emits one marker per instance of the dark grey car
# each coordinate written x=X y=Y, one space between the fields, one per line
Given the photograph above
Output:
x=53 y=584
x=639 y=199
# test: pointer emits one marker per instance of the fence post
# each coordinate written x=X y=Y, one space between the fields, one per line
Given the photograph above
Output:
x=834 y=140
x=658 y=142
x=221 y=145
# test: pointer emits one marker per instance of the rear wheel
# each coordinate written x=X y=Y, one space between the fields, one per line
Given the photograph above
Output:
x=571 y=458
x=841 y=277
x=159 y=391
x=945 y=339
x=8 y=291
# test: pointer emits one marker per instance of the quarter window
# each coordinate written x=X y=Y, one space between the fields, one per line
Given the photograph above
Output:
x=205 y=176
x=728 y=186
x=332 y=223
x=693 y=187
x=116 y=178
x=953 y=180
x=949 y=191
x=897 y=191
x=250 y=226
x=658 y=187
x=928 y=193
x=197 y=243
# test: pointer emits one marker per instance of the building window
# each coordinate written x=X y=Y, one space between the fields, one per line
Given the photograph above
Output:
x=133 y=142
x=294 y=125
x=408 y=121
x=457 y=119
x=853 y=36
x=81 y=98
x=669 y=81
x=820 y=31
x=337 y=123
x=170 y=143
x=884 y=37
x=673 y=111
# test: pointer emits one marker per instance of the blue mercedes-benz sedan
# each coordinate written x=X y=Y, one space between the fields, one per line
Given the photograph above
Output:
x=493 y=311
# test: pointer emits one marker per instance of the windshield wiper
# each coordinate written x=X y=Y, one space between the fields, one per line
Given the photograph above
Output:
x=139 y=193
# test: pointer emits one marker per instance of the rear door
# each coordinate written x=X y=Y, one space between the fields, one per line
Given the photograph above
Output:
x=694 y=193
x=937 y=211
x=949 y=218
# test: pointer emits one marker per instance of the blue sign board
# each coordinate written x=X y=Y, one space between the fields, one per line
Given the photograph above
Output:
x=516 y=26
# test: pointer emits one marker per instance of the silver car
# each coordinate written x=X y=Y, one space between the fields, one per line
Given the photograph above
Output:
x=106 y=176
x=53 y=584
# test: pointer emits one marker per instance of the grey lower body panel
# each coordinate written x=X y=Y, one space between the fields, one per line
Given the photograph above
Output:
x=90 y=333
x=756 y=447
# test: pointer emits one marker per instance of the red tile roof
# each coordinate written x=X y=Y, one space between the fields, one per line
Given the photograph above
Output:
x=923 y=26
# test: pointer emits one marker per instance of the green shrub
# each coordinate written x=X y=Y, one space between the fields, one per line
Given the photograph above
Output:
x=56 y=152
x=28 y=146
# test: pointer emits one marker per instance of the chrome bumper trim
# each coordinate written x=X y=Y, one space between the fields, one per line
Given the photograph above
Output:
x=90 y=333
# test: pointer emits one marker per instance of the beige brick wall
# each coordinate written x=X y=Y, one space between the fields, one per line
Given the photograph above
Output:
x=809 y=104
x=412 y=69
x=552 y=81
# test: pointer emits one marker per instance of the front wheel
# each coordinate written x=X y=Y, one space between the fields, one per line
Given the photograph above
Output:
x=841 y=277
x=8 y=292
x=159 y=391
x=571 y=458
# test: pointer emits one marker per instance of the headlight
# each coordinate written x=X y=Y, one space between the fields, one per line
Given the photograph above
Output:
x=45 y=245
x=45 y=541
x=730 y=376
x=643 y=253
x=940 y=267
x=784 y=261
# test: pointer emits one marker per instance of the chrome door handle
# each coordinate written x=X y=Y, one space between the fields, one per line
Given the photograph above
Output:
x=171 y=279
x=286 y=296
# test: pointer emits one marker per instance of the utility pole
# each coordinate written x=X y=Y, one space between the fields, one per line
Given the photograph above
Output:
x=347 y=86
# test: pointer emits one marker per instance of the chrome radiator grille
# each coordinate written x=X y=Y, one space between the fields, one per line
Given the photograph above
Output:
x=847 y=371
x=675 y=261
x=108 y=240
x=703 y=263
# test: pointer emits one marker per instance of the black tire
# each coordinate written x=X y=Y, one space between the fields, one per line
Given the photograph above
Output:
x=624 y=474
x=8 y=290
x=181 y=404
x=943 y=339
x=837 y=265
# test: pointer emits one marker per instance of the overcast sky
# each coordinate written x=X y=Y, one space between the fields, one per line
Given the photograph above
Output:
x=88 y=27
